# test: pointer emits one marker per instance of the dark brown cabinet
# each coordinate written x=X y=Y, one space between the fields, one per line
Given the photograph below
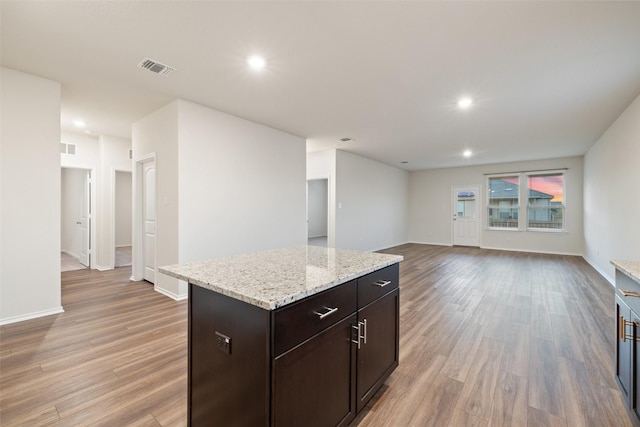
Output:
x=314 y=362
x=624 y=347
x=378 y=330
x=314 y=383
x=627 y=351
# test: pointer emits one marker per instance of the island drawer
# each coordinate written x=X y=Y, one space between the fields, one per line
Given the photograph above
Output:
x=374 y=285
x=294 y=323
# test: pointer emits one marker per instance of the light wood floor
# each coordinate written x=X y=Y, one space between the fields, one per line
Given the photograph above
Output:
x=487 y=338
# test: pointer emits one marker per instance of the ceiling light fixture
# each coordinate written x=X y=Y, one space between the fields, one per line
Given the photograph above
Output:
x=256 y=62
x=79 y=123
x=467 y=153
x=464 y=103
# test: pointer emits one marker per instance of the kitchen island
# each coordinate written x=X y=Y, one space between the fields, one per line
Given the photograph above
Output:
x=289 y=337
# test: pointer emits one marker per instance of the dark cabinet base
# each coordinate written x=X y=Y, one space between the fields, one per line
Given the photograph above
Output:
x=227 y=387
x=627 y=349
x=308 y=364
x=313 y=383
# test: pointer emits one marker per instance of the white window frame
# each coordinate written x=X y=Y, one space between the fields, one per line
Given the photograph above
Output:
x=523 y=194
x=518 y=206
x=563 y=205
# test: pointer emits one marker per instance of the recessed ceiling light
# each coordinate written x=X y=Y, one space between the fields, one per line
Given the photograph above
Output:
x=79 y=123
x=467 y=153
x=256 y=62
x=465 y=103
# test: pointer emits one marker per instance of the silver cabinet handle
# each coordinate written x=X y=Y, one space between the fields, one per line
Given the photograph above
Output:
x=364 y=322
x=329 y=312
x=362 y=326
x=382 y=283
x=357 y=328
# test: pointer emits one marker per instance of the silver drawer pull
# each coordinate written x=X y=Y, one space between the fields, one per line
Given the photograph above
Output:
x=326 y=313
x=381 y=283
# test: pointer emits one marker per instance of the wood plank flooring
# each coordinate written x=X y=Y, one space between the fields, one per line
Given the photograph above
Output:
x=487 y=338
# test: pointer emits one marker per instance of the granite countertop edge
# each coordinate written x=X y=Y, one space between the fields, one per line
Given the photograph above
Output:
x=630 y=268
x=212 y=282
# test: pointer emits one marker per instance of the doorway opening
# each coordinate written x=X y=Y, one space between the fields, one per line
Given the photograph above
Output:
x=122 y=218
x=75 y=218
x=317 y=211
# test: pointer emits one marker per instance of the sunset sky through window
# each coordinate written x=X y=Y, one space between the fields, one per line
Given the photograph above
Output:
x=550 y=184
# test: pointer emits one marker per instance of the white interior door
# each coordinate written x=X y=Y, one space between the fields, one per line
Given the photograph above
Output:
x=149 y=217
x=465 y=201
x=85 y=221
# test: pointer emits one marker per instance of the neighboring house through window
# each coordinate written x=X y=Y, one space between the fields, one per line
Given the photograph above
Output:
x=544 y=192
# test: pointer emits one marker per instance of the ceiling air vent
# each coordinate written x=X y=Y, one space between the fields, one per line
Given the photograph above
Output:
x=346 y=139
x=156 y=67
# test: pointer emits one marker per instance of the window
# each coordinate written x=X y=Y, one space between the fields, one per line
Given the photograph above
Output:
x=544 y=193
x=466 y=204
x=546 y=202
x=504 y=202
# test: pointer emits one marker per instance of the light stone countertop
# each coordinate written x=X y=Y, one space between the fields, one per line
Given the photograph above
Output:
x=630 y=268
x=275 y=278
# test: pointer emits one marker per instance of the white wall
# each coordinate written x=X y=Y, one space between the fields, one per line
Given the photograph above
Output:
x=371 y=203
x=114 y=156
x=87 y=151
x=157 y=134
x=612 y=194
x=30 y=196
x=430 y=215
x=103 y=155
x=242 y=185
x=123 y=208
x=224 y=186
x=87 y=157
x=72 y=188
x=317 y=207
x=321 y=164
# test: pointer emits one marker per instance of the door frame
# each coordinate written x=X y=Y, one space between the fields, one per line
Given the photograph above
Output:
x=479 y=209
x=137 y=245
x=93 y=213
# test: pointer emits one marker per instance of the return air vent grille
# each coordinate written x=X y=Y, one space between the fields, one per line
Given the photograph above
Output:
x=67 y=148
x=156 y=67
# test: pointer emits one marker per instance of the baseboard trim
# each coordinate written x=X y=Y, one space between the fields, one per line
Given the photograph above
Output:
x=431 y=243
x=76 y=256
x=530 y=251
x=103 y=268
x=30 y=316
x=611 y=280
x=171 y=295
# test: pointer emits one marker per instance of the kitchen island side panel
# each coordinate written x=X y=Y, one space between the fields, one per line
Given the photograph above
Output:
x=229 y=360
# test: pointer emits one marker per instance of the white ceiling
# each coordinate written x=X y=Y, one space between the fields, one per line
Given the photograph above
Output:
x=548 y=78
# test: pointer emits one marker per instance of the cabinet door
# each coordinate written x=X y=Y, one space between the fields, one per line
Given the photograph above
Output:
x=314 y=383
x=378 y=352
x=624 y=344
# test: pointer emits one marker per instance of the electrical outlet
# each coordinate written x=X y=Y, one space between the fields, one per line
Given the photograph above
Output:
x=223 y=343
